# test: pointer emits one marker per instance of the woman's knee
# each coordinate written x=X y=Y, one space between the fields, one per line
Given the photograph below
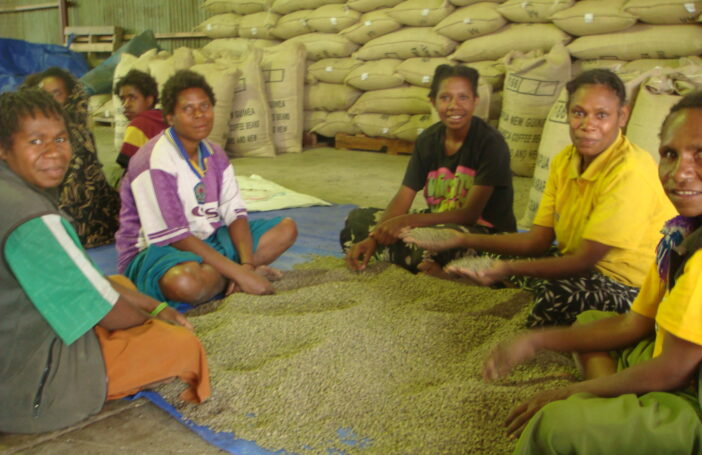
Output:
x=288 y=231
x=191 y=282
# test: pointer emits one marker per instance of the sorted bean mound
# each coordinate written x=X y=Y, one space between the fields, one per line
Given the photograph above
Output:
x=380 y=362
x=472 y=263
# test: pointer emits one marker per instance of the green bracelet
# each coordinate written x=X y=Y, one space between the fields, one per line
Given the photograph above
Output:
x=161 y=306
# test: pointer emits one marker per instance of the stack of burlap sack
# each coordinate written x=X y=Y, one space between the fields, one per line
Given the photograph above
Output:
x=369 y=64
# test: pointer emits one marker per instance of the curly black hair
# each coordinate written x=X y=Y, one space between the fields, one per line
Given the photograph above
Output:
x=33 y=80
x=445 y=71
x=690 y=101
x=598 y=76
x=182 y=80
x=143 y=82
x=14 y=106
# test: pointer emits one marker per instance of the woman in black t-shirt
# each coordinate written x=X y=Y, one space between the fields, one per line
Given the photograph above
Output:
x=462 y=163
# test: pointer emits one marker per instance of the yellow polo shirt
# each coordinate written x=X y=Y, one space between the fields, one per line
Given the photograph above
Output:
x=618 y=201
x=677 y=311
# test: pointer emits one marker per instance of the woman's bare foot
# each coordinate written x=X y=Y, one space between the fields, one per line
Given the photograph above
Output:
x=269 y=273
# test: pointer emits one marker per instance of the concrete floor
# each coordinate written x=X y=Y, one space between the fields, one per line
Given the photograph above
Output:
x=337 y=176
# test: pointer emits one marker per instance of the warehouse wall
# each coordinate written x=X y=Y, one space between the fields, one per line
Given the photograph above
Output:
x=134 y=16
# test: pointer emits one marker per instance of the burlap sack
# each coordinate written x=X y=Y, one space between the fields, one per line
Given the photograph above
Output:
x=482 y=109
x=590 y=17
x=460 y=3
x=533 y=10
x=491 y=71
x=379 y=125
x=258 y=25
x=585 y=65
x=220 y=26
x=375 y=75
x=289 y=6
x=331 y=70
x=163 y=68
x=420 y=70
x=641 y=41
x=332 y=18
x=407 y=43
x=200 y=57
x=413 y=127
x=471 y=21
x=365 y=6
x=250 y=126
x=330 y=97
x=218 y=6
x=519 y=37
x=495 y=108
x=401 y=100
x=225 y=47
x=236 y=6
x=284 y=73
x=313 y=118
x=223 y=80
x=325 y=45
x=653 y=102
x=646 y=64
x=532 y=85
x=554 y=138
x=292 y=24
x=371 y=25
x=665 y=11
x=421 y=13
x=335 y=123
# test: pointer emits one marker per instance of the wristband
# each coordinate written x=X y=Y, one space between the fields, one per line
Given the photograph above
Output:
x=161 y=306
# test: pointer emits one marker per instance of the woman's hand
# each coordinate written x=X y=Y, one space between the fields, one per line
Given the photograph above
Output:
x=388 y=232
x=507 y=355
x=497 y=271
x=250 y=282
x=360 y=253
x=519 y=417
x=434 y=239
x=172 y=316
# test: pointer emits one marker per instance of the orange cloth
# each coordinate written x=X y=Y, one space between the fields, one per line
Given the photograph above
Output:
x=152 y=352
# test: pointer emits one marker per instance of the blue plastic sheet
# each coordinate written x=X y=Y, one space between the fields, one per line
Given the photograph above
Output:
x=18 y=59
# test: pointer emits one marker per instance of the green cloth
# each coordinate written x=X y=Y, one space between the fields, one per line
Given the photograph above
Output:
x=652 y=424
x=72 y=301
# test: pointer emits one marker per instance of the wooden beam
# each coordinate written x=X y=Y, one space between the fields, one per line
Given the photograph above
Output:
x=63 y=18
x=38 y=6
x=176 y=35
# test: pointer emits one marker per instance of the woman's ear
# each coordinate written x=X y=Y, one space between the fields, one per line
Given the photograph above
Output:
x=624 y=112
x=169 y=119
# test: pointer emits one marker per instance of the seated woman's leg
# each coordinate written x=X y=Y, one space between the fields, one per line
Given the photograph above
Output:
x=558 y=302
x=358 y=225
x=191 y=282
x=275 y=241
x=150 y=353
x=654 y=423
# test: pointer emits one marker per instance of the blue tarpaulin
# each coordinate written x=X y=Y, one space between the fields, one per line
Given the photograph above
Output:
x=18 y=59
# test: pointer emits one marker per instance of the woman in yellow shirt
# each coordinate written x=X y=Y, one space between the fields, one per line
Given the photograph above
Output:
x=602 y=205
x=645 y=400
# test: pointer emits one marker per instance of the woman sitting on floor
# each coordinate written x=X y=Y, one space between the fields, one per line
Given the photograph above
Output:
x=645 y=400
x=463 y=165
x=84 y=194
x=602 y=204
x=184 y=233
x=70 y=338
